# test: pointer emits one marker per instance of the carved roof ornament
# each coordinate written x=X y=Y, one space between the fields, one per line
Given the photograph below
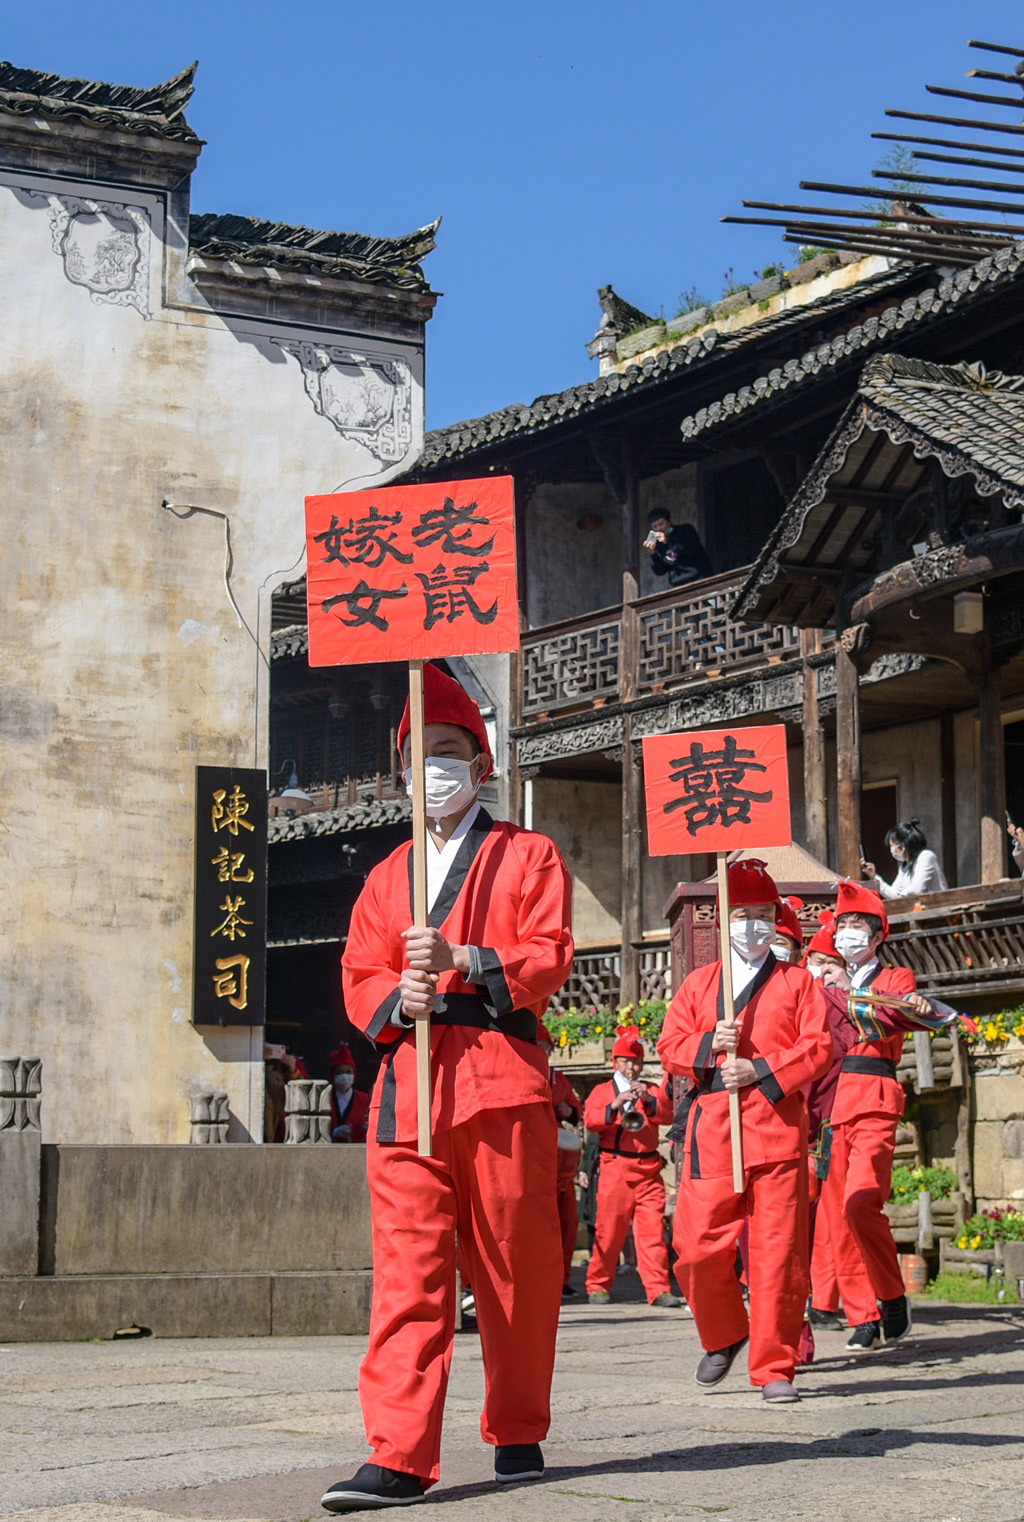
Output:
x=347 y=256
x=155 y=111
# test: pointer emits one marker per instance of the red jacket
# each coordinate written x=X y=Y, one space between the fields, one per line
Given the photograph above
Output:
x=600 y=1117
x=876 y=1093
x=784 y=1031
x=509 y=895
x=355 y=1116
x=562 y=1092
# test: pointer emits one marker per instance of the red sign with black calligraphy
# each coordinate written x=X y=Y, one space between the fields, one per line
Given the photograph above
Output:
x=717 y=790
x=409 y=572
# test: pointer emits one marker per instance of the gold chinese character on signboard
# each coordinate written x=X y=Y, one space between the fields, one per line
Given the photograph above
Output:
x=229 y=866
x=229 y=810
x=232 y=923
x=231 y=980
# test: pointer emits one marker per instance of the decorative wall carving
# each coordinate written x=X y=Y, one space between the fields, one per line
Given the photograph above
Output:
x=601 y=734
x=307 y=1110
x=21 y=1085
x=367 y=397
x=104 y=246
x=208 y=1116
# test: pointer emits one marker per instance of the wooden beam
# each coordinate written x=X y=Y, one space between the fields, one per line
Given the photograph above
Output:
x=992 y=842
x=848 y=768
x=632 y=878
x=947 y=790
x=815 y=788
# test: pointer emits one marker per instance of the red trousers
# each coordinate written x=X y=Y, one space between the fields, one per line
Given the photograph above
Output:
x=568 y=1220
x=629 y=1190
x=492 y=1180
x=708 y=1222
x=858 y=1185
x=824 y=1284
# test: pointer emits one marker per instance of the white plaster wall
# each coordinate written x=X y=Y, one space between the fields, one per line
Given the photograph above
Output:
x=123 y=664
x=571 y=571
x=910 y=753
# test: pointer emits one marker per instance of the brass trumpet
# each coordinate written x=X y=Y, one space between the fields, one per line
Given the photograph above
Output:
x=633 y=1119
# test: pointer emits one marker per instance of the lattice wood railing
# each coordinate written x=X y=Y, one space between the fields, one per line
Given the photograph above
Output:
x=687 y=633
x=596 y=977
x=965 y=941
x=572 y=663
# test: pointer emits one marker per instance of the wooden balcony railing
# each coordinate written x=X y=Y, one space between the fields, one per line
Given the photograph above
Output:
x=596 y=977
x=965 y=941
x=682 y=635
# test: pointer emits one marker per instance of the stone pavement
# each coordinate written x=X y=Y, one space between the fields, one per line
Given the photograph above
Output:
x=253 y=1430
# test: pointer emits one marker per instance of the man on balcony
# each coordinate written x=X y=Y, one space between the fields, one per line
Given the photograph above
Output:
x=675 y=550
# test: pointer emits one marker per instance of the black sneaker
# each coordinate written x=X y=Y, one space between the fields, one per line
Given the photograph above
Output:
x=518 y=1461
x=825 y=1321
x=372 y=1486
x=567 y=1292
x=713 y=1367
x=865 y=1338
x=895 y=1318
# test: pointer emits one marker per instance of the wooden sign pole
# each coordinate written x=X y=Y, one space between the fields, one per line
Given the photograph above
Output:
x=419 y=891
x=735 y=1117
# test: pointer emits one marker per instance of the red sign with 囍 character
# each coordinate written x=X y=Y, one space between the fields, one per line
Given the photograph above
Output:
x=408 y=572
x=717 y=790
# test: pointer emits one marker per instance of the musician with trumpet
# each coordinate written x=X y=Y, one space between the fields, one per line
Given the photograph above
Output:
x=626 y=1113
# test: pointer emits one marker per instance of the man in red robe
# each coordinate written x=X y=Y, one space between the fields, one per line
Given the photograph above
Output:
x=349 y=1106
x=866 y=1111
x=625 y=1113
x=497 y=946
x=780 y=1044
x=568 y=1109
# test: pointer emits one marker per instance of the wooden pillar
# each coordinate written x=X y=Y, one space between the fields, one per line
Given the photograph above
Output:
x=815 y=790
x=992 y=844
x=632 y=877
x=947 y=790
x=848 y=755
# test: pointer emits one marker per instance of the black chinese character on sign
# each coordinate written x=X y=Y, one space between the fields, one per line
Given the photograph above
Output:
x=449 y=596
x=368 y=540
x=441 y=523
x=364 y=605
x=713 y=785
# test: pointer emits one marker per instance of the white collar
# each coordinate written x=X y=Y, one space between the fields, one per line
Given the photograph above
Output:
x=440 y=859
x=621 y=1082
x=859 y=974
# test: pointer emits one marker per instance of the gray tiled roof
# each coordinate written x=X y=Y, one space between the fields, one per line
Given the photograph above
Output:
x=521 y=420
x=289 y=642
x=357 y=816
x=998 y=268
x=347 y=256
x=155 y=112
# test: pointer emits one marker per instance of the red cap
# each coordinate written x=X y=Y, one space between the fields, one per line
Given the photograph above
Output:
x=445 y=702
x=629 y=1043
x=341 y=1057
x=855 y=899
x=823 y=940
x=749 y=883
x=787 y=921
x=544 y=1035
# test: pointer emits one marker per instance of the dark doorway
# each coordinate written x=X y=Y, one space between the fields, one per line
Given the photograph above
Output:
x=879 y=811
x=1013 y=743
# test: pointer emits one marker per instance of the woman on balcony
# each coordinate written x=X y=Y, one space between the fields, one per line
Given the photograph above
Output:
x=918 y=868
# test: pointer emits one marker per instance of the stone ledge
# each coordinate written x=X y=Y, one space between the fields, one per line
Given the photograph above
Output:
x=77 y=1308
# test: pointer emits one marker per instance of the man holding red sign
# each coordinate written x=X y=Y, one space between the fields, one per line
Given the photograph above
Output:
x=497 y=946
x=781 y=1043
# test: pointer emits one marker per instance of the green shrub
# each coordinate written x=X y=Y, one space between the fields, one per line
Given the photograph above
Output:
x=908 y=1183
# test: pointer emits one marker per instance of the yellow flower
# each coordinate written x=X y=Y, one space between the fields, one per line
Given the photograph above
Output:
x=598 y=1029
x=962 y=1243
x=643 y=1019
x=975 y=1243
x=563 y=1038
x=991 y=1032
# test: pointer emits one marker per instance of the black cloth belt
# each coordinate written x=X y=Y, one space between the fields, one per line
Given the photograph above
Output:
x=712 y=1083
x=878 y=1067
x=611 y=1152
x=470 y=1009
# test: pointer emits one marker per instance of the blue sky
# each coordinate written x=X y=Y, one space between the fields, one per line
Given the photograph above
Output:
x=567 y=144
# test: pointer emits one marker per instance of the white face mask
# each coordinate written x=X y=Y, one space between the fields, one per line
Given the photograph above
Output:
x=815 y=972
x=343 y=1082
x=897 y=853
x=750 y=937
x=784 y=952
x=450 y=785
x=852 y=945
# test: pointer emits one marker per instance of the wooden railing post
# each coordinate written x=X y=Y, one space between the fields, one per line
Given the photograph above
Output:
x=848 y=749
x=815 y=789
x=992 y=842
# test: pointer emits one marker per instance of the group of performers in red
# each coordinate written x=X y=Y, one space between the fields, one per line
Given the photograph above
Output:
x=497 y=946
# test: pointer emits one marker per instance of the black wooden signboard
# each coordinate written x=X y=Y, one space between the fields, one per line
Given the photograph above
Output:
x=229 y=960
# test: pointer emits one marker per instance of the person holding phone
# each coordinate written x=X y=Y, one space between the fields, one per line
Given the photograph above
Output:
x=1016 y=834
x=675 y=550
x=918 y=869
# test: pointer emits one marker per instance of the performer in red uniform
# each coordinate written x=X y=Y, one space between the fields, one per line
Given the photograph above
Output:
x=788 y=943
x=349 y=1106
x=780 y=1044
x=866 y=1111
x=629 y=1186
x=498 y=945
x=568 y=1108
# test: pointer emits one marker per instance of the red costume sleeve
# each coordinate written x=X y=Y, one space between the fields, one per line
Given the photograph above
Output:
x=537 y=962
x=783 y=1070
x=371 y=978
x=597 y=1115
x=685 y=1045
